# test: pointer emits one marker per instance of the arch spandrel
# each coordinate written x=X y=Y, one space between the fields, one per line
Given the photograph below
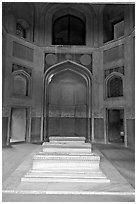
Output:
x=69 y=65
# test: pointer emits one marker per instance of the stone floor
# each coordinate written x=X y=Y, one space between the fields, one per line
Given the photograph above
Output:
x=18 y=158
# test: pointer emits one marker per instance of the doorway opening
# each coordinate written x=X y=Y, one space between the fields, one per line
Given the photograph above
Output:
x=18 y=125
x=115 y=126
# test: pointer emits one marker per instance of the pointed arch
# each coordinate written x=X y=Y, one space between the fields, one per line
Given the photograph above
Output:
x=114 y=85
x=68 y=27
x=74 y=69
x=21 y=83
x=49 y=14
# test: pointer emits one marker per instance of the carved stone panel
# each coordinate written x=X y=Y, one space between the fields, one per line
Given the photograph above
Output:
x=54 y=58
x=16 y=67
x=116 y=69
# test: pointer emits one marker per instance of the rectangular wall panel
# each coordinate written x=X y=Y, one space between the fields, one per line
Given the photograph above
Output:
x=99 y=128
x=81 y=127
x=22 y=52
x=113 y=54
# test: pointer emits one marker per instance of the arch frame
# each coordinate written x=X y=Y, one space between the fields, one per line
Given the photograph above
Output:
x=113 y=74
x=57 y=69
x=48 y=15
x=28 y=80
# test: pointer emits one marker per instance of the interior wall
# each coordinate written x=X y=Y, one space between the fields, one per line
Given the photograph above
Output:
x=67 y=105
x=131 y=132
x=109 y=57
x=35 y=129
x=99 y=129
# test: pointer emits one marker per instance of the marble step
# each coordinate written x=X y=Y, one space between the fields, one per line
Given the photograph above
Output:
x=67 y=139
x=73 y=145
x=60 y=179
x=43 y=164
x=56 y=147
x=66 y=142
x=68 y=158
x=69 y=171
x=67 y=151
x=54 y=174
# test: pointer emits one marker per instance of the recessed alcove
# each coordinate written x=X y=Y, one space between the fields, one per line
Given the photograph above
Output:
x=66 y=107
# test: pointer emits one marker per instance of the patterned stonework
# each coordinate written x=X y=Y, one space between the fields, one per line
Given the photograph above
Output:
x=116 y=69
x=16 y=67
x=68 y=57
x=85 y=59
x=69 y=112
x=51 y=59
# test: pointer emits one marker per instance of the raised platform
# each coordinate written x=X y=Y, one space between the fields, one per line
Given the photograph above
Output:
x=117 y=190
x=66 y=159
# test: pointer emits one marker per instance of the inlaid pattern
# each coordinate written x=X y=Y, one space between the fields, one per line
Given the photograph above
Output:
x=116 y=69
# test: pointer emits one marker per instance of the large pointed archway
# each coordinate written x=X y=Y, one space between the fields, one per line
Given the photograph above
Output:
x=67 y=101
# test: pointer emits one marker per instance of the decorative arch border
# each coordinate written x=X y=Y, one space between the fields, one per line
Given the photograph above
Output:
x=65 y=11
x=77 y=69
x=48 y=14
x=23 y=23
x=26 y=26
x=28 y=78
x=114 y=74
x=12 y=19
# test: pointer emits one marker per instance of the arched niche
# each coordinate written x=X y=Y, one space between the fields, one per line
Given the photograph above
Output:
x=22 y=13
x=67 y=101
x=51 y=11
x=21 y=83
x=114 y=85
x=22 y=29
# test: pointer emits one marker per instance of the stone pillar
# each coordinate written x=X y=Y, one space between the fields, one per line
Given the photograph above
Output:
x=36 y=22
x=129 y=92
x=37 y=93
x=97 y=95
x=100 y=29
x=96 y=31
x=128 y=19
x=90 y=31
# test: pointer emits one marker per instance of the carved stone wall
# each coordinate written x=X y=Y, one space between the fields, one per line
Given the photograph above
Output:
x=116 y=69
x=54 y=58
x=22 y=52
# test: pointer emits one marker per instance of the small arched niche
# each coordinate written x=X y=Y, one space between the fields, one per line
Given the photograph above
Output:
x=115 y=86
x=21 y=84
x=22 y=29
